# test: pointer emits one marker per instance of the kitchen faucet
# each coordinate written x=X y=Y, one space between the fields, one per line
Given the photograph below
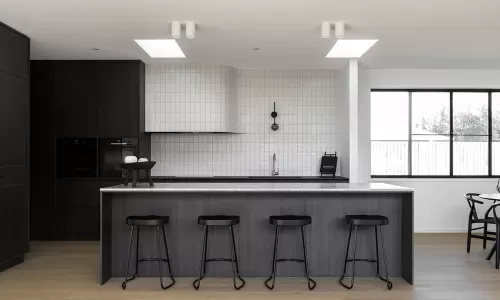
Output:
x=275 y=172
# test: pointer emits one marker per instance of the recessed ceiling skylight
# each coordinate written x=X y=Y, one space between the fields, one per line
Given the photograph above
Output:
x=161 y=48
x=350 y=48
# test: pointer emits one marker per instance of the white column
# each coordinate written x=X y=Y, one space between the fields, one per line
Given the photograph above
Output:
x=354 y=175
x=359 y=124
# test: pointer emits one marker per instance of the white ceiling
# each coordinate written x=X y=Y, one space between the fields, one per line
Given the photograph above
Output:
x=412 y=33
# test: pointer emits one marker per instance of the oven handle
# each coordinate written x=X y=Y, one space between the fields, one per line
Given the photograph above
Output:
x=118 y=144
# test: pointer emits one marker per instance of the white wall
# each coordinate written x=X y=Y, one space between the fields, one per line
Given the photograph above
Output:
x=439 y=203
x=308 y=115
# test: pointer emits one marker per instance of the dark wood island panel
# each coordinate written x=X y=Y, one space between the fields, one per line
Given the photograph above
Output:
x=327 y=203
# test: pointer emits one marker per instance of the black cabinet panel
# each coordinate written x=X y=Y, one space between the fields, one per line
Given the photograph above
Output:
x=76 y=98
x=77 y=209
x=14 y=53
x=77 y=193
x=14 y=215
x=14 y=120
x=119 y=99
x=14 y=176
x=43 y=152
x=78 y=223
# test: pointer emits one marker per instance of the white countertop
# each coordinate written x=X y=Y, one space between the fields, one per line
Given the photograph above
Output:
x=187 y=187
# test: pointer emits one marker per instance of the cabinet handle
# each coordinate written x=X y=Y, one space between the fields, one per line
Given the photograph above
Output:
x=118 y=144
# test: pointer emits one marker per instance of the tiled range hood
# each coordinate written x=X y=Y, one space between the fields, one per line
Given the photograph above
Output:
x=191 y=98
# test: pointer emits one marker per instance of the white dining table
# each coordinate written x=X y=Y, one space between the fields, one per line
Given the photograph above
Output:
x=493 y=197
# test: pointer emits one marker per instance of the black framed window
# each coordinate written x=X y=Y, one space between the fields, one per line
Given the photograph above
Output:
x=435 y=133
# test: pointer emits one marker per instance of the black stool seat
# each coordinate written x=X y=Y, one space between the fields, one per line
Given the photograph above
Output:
x=366 y=220
x=150 y=220
x=290 y=220
x=218 y=220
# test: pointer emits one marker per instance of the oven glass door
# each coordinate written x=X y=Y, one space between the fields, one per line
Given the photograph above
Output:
x=76 y=158
x=112 y=153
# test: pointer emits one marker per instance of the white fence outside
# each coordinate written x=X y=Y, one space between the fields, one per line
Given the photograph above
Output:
x=433 y=158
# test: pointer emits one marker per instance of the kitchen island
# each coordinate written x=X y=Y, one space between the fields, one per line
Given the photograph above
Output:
x=327 y=203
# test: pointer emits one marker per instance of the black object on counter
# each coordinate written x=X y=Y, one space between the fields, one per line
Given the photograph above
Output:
x=135 y=169
x=329 y=164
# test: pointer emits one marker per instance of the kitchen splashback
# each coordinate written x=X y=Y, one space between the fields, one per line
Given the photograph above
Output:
x=308 y=115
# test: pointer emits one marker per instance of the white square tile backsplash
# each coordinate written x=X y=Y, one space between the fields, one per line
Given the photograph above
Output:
x=308 y=116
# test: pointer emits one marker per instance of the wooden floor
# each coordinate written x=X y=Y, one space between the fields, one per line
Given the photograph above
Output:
x=69 y=270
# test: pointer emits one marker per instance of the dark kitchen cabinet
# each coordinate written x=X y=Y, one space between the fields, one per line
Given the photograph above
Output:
x=120 y=91
x=14 y=146
x=79 y=99
x=77 y=209
x=43 y=152
x=14 y=120
x=14 y=232
x=14 y=52
x=75 y=90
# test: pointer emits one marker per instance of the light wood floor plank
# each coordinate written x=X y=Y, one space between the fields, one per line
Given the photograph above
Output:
x=69 y=270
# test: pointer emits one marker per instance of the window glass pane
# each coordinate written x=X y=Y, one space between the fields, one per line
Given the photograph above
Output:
x=389 y=116
x=495 y=134
x=430 y=133
x=470 y=157
x=430 y=155
x=470 y=114
x=470 y=134
x=389 y=133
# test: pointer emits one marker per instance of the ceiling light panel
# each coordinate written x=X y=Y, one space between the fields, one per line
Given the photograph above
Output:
x=350 y=48
x=161 y=48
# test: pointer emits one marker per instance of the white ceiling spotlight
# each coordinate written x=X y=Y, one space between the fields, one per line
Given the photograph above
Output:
x=176 y=29
x=326 y=28
x=190 y=29
x=339 y=30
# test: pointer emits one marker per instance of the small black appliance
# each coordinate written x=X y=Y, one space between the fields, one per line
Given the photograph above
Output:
x=329 y=164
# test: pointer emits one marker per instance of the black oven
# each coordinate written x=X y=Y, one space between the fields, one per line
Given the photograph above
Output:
x=112 y=152
x=76 y=158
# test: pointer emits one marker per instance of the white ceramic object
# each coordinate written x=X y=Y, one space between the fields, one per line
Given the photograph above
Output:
x=130 y=159
x=143 y=159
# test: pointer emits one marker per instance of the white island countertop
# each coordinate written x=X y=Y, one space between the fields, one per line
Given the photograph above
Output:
x=249 y=187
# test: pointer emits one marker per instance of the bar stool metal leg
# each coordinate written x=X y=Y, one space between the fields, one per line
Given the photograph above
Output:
x=124 y=283
x=311 y=284
x=196 y=283
x=273 y=272
x=234 y=261
x=168 y=258
x=353 y=260
x=160 y=260
x=386 y=279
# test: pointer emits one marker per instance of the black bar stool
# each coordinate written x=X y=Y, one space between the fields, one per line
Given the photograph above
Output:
x=289 y=220
x=219 y=220
x=158 y=222
x=365 y=220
